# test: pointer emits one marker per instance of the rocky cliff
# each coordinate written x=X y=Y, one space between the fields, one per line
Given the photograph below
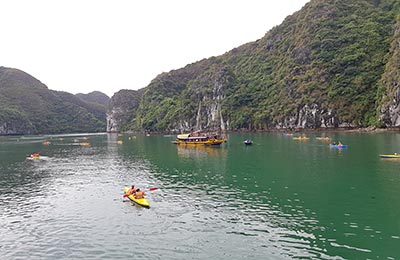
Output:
x=334 y=63
x=390 y=82
x=122 y=107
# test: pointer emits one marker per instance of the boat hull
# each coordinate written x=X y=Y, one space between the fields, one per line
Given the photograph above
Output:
x=142 y=202
x=301 y=138
x=338 y=146
x=199 y=142
x=390 y=156
x=33 y=158
x=248 y=142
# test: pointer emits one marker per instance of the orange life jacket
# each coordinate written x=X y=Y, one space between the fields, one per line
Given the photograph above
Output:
x=139 y=194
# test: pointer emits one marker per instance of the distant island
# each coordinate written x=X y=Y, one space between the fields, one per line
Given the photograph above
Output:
x=27 y=106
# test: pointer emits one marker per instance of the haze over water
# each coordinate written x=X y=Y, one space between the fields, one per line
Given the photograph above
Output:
x=276 y=199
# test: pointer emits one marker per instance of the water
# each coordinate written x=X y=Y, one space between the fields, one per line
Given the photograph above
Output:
x=276 y=199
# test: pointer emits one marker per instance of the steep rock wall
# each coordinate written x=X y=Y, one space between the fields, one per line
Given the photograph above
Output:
x=390 y=104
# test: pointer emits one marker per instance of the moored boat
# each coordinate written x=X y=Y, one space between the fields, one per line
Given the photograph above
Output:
x=248 y=142
x=323 y=138
x=301 y=138
x=196 y=138
x=338 y=146
x=142 y=201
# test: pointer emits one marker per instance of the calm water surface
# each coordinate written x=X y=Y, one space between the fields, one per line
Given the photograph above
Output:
x=276 y=199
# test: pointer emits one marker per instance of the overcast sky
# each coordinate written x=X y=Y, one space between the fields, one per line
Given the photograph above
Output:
x=80 y=46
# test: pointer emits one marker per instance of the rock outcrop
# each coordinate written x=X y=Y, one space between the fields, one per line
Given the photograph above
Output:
x=390 y=104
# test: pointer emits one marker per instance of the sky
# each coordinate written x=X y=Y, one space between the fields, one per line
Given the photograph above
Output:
x=80 y=46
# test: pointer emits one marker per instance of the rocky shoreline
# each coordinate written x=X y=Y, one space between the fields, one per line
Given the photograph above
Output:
x=370 y=129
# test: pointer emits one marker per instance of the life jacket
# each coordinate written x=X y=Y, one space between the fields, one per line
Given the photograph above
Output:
x=139 y=194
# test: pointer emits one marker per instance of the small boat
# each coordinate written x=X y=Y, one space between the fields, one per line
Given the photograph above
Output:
x=248 y=142
x=199 y=138
x=301 y=138
x=323 y=138
x=46 y=143
x=142 y=201
x=338 y=146
x=390 y=156
x=33 y=156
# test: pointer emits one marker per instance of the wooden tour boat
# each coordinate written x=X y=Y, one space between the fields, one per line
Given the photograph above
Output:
x=196 y=138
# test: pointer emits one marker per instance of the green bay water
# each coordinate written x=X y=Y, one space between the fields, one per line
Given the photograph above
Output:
x=277 y=199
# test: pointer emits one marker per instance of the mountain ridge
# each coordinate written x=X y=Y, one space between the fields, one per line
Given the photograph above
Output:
x=321 y=68
x=27 y=106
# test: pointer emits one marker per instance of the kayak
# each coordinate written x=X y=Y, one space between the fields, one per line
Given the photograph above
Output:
x=343 y=146
x=301 y=138
x=33 y=158
x=142 y=202
x=390 y=156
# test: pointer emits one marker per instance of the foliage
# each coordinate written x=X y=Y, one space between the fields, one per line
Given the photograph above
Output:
x=29 y=107
x=331 y=54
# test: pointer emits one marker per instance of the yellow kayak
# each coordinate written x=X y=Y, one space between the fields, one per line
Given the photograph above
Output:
x=301 y=138
x=390 y=156
x=142 y=202
x=33 y=158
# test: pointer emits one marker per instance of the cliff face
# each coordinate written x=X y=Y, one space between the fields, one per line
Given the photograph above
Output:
x=122 y=107
x=390 y=105
x=28 y=107
x=334 y=63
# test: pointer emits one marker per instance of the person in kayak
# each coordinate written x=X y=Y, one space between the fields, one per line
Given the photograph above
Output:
x=35 y=155
x=139 y=194
x=131 y=190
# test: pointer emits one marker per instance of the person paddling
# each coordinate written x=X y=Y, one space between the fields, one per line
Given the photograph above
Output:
x=139 y=194
x=131 y=191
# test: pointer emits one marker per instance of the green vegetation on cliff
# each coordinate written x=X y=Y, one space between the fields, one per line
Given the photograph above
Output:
x=322 y=67
x=28 y=107
x=95 y=97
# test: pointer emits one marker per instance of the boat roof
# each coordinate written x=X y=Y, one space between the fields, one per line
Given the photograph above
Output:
x=187 y=136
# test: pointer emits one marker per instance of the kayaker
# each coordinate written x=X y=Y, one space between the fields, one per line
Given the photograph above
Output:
x=139 y=194
x=35 y=155
x=131 y=190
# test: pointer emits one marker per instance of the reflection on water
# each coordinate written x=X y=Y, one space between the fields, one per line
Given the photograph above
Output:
x=200 y=151
x=277 y=199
